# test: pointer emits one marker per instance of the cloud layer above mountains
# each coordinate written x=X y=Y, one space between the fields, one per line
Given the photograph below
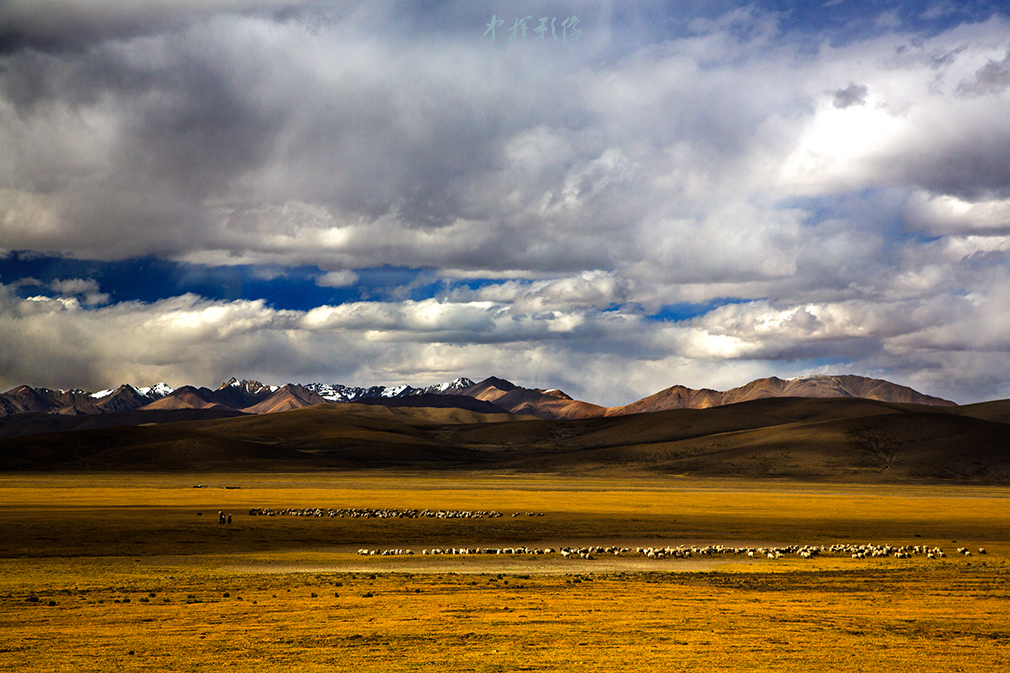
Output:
x=674 y=194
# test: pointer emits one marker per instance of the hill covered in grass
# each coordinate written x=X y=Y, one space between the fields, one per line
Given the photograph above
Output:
x=838 y=439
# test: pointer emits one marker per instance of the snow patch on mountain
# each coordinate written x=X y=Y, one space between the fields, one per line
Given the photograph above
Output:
x=335 y=392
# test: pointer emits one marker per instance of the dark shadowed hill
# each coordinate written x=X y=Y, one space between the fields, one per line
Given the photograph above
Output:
x=997 y=410
x=40 y=423
x=840 y=439
x=435 y=401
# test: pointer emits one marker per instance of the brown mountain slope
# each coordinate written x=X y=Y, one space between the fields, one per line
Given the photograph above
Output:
x=186 y=397
x=285 y=398
x=25 y=399
x=679 y=397
x=241 y=394
x=996 y=410
x=675 y=397
x=546 y=404
x=126 y=398
x=490 y=389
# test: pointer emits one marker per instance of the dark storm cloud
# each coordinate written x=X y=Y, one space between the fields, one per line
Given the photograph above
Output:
x=973 y=167
x=187 y=123
x=57 y=26
x=854 y=94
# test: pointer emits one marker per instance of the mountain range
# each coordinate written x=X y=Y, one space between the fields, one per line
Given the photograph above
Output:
x=823 y=427
x=492 y=395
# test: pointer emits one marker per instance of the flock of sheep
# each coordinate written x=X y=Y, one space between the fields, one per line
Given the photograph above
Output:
x=682 y=551
x=370 y=513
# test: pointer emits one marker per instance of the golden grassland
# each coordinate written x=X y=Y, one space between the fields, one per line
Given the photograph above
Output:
x=117 y=572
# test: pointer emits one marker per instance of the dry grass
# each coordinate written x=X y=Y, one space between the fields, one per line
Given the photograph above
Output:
x=88 y=544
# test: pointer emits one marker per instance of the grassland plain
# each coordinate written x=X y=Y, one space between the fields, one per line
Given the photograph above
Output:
x=119 y=572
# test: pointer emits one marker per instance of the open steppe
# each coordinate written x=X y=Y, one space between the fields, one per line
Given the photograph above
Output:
x=117 y=571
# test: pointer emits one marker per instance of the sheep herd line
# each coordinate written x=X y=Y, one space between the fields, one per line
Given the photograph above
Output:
x=855 y=551
x=370 y=513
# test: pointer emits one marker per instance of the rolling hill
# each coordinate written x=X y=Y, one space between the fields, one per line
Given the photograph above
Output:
x=836 y=439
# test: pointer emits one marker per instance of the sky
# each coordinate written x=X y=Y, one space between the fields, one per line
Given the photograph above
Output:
x=624 y=197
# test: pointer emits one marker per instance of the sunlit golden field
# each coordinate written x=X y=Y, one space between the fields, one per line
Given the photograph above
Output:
x=118 y=572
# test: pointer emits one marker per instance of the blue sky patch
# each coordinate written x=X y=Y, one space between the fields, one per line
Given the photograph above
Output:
x=686 y=311
x=148 y=279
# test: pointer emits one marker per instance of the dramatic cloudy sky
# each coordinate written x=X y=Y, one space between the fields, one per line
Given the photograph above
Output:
x=379 y=192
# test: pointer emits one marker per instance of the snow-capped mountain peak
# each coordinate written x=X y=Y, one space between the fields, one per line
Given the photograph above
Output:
x=247 y=386
x=157 y=391
x=335 y=392
x=450 y=387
